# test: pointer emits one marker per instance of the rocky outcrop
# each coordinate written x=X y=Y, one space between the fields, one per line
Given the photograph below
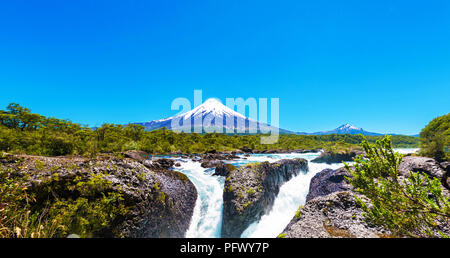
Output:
x=211 y=163
x=159 y=164
x=210 y=160
x=223 y=169
x=423 y=164
x=333 y=215
x=446 y=179
x=328 y=181
x=246 y=150
x=336 y=157
x=250 y=192
x=332 y=211
x=306 y=150
x=137 y=155
x=160 y=201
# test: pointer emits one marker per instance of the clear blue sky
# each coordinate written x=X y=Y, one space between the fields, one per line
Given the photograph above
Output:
x=380 y=65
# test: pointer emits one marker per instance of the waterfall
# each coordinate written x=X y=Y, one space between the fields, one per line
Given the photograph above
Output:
x=206 y=221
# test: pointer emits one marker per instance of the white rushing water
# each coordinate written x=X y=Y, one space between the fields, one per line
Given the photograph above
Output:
x=292 y=194
x=207 y=218
x=406 y=150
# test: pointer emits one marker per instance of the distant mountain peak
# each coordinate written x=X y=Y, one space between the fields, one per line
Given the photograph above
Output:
x=212 y=102
x=212 y=107
x=348 y=127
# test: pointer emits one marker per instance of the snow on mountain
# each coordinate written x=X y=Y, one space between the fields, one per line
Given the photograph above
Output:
x=212 y=114
x=212 y=107
x=347 y=129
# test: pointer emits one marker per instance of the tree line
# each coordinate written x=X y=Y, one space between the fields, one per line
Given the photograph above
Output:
x=22 y=131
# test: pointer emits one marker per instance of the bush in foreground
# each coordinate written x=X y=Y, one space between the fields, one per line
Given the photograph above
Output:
x=414 y=207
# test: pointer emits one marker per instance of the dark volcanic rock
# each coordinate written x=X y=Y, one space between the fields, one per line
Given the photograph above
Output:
x=301 y=151
x=246 y=150
x=422 y=164
x=161 y=163
x=218 y=156
x=446 y=167
x=250 y=192
x=331 y=210
x=333 y=215
x=137 y=155
x=211 y=163
x=332 y=157
x=161 y=201
x=213 y=159
x=224 y=169
x=328 y=181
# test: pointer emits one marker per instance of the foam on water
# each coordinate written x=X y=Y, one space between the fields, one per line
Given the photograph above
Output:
x=406 y=150
x=207 y=218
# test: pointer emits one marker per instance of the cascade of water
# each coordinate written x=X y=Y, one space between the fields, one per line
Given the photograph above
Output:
x=207 y=217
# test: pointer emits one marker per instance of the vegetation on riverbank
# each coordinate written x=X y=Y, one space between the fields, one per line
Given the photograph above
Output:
x=414 y=206
x=22 y=131
x=36 y=202
x=435 y=138
x=89 y=204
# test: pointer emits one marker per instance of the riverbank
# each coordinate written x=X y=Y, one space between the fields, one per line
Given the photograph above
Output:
x=105 y=196
x=155 y=199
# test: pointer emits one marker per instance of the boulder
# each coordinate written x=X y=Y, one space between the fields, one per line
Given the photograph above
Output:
x=306 y=150
x=161 y=163
x=213 y=159
x=446 y=167
x=328 y=181
x=250 y=191
x=137 y=155
x=336 y=215
x=211 y=163
x=422 y=164
x=246 y=150
x=336 y=157
x=224 y=169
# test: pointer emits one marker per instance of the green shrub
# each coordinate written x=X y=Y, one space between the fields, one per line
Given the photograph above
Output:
x=83 y=206
x=407 y=207
x=283 y=235
x=435 y=138
x=298 y=213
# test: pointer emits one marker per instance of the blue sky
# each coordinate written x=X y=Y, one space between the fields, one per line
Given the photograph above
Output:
x=383 y=66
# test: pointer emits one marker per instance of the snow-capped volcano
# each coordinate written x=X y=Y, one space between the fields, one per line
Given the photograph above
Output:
x=211 y=116
x=212 y=107
x=347 y=129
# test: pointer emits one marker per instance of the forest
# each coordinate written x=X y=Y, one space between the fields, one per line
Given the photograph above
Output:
x=24 y=132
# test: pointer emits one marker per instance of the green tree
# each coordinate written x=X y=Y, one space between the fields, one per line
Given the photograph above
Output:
x=435 y=138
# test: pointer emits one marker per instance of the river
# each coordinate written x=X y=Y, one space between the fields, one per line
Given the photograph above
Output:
x=207 y=218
